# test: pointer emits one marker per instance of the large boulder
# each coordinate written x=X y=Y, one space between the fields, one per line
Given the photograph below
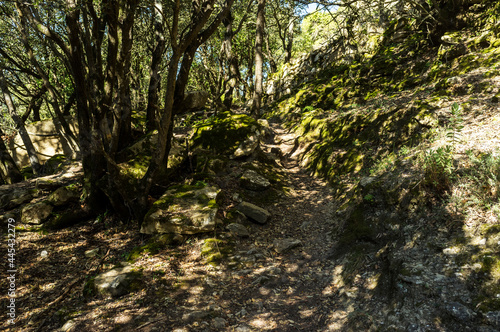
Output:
x=183 y=209
x=48 y=139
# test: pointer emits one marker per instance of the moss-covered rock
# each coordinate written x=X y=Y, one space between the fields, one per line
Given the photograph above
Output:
x=64 y=195
x=225 y=133
x=54 y=164
x=183 y=209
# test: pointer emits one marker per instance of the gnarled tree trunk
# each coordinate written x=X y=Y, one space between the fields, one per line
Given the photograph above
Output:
x=32 y=154
x=8 y=168
x=259 y=58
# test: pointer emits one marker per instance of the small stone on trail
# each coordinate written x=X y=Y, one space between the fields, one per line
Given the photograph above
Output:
x=219 y=323
x=252 y=180
x=459 y=312
x=238 y=230
x=196 y=315
x=116 y=282
x=243 y=328
x=254 y=212
x=284 y=245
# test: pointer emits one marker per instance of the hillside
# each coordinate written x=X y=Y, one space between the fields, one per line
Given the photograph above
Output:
x=365 y=198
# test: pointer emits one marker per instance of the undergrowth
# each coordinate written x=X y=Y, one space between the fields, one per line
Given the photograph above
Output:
x=438 y=165
x=470 y=181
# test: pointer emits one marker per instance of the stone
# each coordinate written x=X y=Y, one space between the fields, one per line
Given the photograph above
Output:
x=194 y=100
x=254 y=212
x=116 y=282
x=238 y=230
x=448 y=52
x=64 y=195
x=68 y=326
x=219 y=323
x=247 y=147
x=252 y=180
x=493 y=318
x=12 y=198
x=68 y=217
x=243 y=328
x=183 y=209
x=459 y=312
x=36 y=213
x=451 y=251
x=265 y=128
x=196 y=315
x=285 y=245
x=47 y=140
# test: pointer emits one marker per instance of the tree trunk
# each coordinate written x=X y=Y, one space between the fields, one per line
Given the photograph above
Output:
x=289 y=45
x=71 y=101
x=32 y=154
x=46 y=82
x=199 y=37
x=154 y=80
x=234 y=72
x=259 y=59
x=93 y=163
x=34 y=105
x=123 y=76
x=8 y=168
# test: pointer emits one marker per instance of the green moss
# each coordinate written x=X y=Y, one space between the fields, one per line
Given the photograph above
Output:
x=152 y=247
x=135 y=168
x=215 y=250
x=27 y=172
x=224 y=132
x=182 y=191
